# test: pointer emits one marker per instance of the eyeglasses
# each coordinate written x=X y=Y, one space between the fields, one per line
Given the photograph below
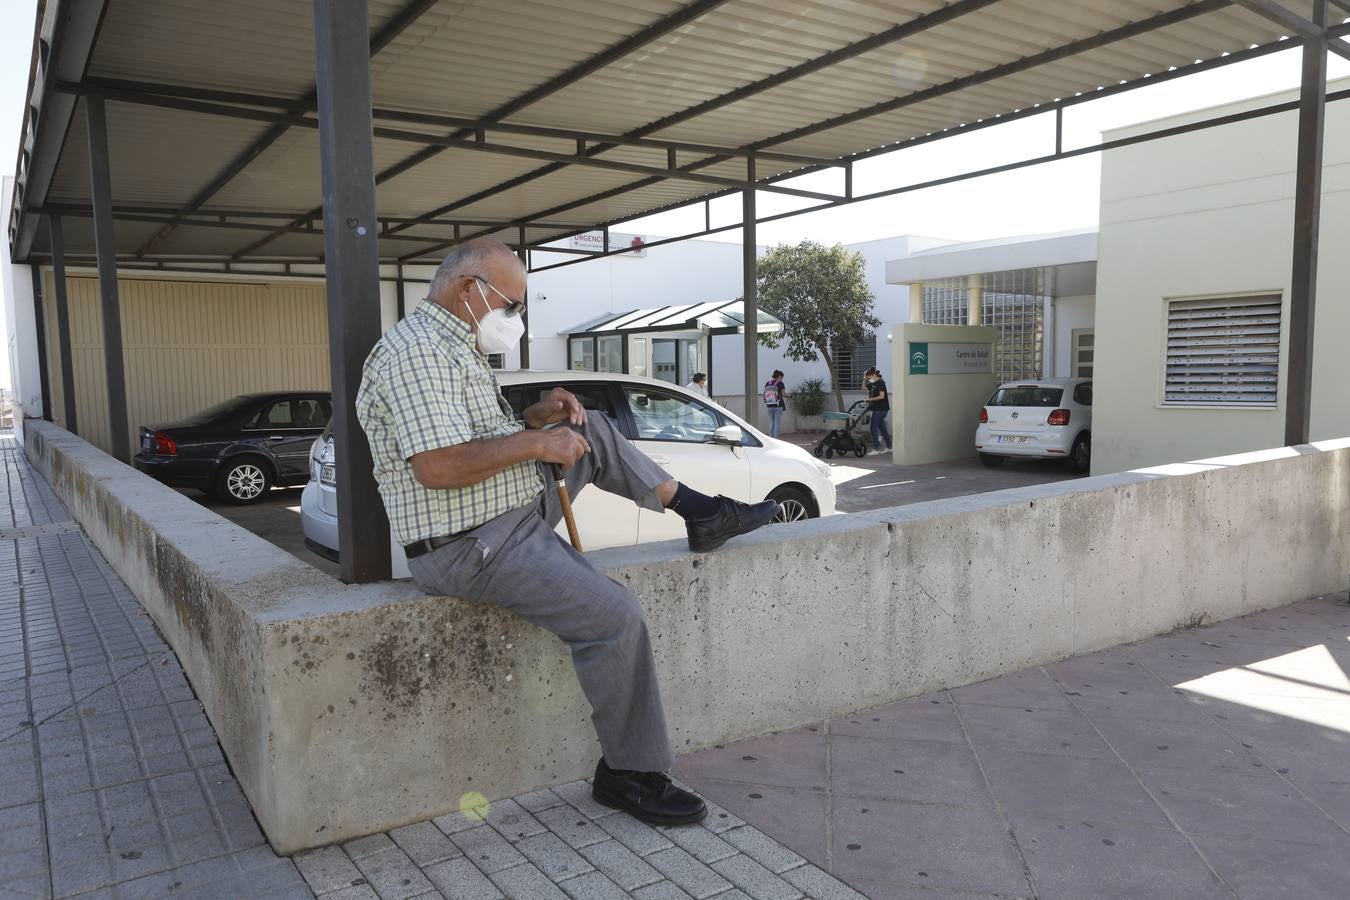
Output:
x=513 y=307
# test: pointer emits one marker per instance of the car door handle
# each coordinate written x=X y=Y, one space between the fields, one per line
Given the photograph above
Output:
x=660 y=460
x=276 y=437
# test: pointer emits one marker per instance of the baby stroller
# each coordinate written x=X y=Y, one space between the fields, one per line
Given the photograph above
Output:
x=845 y=431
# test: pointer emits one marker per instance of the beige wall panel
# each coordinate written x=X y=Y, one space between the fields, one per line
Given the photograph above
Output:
x=188 y=345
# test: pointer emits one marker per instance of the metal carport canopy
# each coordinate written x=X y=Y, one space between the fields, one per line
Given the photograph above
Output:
x=555 y=117
x=197 y=123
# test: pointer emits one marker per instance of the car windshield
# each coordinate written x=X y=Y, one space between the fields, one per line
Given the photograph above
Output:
x=1026 y=395
x=223 y=410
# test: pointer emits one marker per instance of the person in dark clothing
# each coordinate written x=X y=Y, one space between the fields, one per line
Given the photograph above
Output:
x=879 y=403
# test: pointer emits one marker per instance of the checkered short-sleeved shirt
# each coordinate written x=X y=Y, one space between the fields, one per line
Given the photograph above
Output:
x=424 y=387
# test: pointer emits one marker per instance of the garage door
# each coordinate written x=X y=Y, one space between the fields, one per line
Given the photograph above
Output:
x=187 y=345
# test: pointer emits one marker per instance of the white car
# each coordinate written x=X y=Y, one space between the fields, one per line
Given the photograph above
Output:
x=1050 y=419
x=698 y=442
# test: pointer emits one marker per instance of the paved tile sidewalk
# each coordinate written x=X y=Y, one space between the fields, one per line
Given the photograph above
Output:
x=114 y=784
x=1209 y=763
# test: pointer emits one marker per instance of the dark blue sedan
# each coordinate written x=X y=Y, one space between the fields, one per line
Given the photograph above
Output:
x=238 y=449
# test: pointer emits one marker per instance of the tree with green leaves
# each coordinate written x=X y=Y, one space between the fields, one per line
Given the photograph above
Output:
x=821 y=294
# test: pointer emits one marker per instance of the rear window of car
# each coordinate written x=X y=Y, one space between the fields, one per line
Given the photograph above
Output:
x=1026 y=395
x=593 y=395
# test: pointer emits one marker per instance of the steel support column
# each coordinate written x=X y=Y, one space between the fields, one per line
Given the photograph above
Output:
x=105 y=246
x=352 y=269
x=524 y=253
x=1307 y=208
x=400 y=295
x=750 y=298
x=40 y=327
x=58 y=243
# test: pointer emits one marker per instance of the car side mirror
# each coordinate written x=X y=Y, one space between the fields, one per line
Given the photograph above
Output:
x=728 y=434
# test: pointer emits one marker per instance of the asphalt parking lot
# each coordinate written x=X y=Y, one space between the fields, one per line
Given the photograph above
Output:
x=276 y=519
x=872 y=482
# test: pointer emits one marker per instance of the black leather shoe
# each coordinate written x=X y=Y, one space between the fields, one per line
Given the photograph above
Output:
x=648 y=796
x=732 y=519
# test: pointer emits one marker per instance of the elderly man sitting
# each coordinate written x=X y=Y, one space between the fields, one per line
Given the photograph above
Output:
x=461 y=480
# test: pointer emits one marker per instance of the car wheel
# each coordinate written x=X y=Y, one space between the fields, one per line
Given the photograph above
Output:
x=991 y=460
x=794 y=504
x=1080 y=457
x=244 y=480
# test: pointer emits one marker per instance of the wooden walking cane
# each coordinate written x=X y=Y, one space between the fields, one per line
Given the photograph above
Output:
x=566 y=507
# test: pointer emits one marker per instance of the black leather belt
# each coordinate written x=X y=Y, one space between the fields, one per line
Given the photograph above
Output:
x=417 y=548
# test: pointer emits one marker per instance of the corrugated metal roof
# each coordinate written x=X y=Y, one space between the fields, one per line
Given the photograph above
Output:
x=698 y=78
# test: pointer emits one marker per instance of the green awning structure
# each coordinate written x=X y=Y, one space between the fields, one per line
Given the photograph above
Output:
x=714 y=317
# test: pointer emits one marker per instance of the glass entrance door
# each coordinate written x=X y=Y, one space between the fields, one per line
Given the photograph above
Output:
x=665 y=360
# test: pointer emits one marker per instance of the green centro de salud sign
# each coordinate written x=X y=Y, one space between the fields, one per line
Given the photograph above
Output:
x=918 y=357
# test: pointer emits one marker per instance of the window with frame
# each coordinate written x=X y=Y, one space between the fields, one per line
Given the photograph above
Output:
x=667 y=417
x=299 y=412
x=852 y=360
x=1083 y=352
x=1223 y=350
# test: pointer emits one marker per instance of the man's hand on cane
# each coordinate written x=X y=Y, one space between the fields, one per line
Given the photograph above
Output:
x=561 y=446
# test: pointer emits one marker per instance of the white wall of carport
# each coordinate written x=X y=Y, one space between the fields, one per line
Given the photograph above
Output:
x=1208 y=213
x=1070 y=313
x=21 y=345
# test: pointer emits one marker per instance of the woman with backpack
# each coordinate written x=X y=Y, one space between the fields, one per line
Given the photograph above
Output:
x=879 y=402
x=773 y=401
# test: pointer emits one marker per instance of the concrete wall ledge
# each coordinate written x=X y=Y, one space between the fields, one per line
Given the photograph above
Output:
x=348 y=710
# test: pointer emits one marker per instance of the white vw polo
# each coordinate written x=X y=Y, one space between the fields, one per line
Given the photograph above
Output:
x=1051 y=419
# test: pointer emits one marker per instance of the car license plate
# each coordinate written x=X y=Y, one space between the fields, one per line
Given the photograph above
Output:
x=328 y=474
x=1012 y=438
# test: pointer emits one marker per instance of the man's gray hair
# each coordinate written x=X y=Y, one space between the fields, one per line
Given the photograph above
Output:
x=468 y=258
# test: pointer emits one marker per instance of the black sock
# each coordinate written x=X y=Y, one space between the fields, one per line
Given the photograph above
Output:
x=690 y=504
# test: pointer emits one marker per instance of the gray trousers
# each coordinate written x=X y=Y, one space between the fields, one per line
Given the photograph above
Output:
x=518 y=562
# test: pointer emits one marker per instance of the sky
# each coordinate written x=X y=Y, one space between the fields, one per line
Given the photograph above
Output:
x=1059 y=196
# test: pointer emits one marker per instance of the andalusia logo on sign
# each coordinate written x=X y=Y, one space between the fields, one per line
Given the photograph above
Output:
x=918 y=358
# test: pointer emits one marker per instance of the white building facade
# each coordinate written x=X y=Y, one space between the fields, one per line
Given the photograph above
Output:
x=1194 y=268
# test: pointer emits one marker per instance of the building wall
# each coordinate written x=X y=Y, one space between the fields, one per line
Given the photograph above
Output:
x=188 y=345
x=1202 y=214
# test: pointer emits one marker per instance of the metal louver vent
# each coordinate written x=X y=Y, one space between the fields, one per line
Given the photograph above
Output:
x=1225 y=350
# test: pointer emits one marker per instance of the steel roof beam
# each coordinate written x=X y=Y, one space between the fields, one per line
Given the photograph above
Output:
x=1229 y=119
x=68 y=32
x=256 y=107
x=1133 y=29
x=166 y=212
x=1297 y=25
x=892 y=35
x=392 y=29
x=287 y=120
x=1064 y=103
x=656 y=30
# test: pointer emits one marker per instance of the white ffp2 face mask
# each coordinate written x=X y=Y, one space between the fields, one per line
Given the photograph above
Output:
x=497 y=332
